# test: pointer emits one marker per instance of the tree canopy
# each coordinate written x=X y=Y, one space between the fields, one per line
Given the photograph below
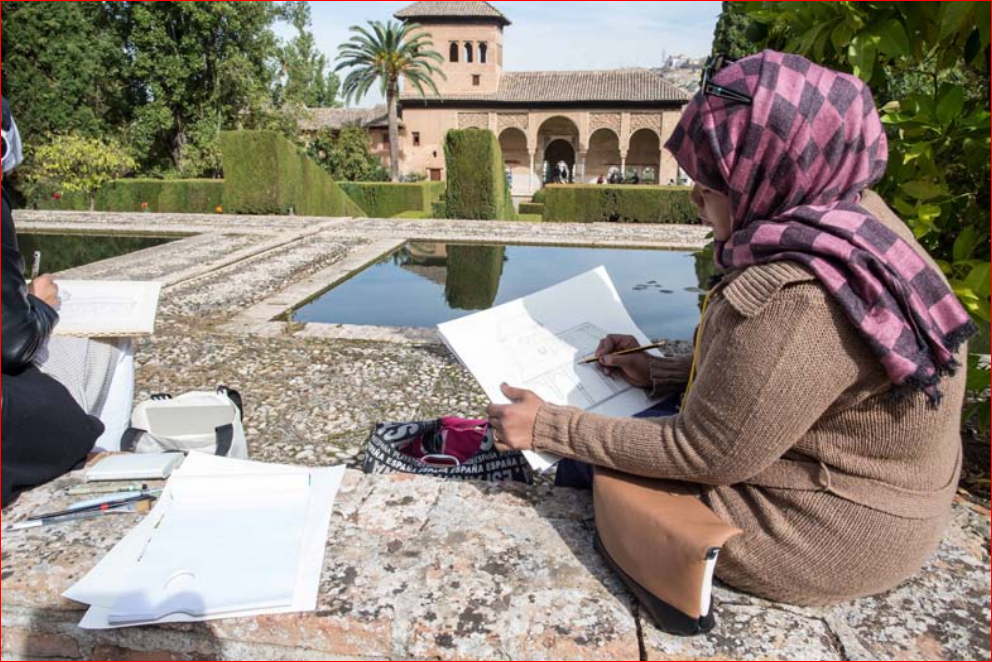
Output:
x=160 y=78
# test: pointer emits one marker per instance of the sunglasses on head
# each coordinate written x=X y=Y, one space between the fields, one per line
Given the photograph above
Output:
x=715 y=65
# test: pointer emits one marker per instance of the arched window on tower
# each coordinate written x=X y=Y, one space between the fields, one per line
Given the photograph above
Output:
x=469 y=52
x=453 y=52
x=483 y=53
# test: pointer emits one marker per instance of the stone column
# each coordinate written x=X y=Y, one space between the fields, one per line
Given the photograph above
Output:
x=623 y=164
x=530 y=173
x=580 y=165
x=668 y=168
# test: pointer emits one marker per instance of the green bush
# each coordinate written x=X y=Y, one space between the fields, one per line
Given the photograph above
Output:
x=264 y=173
x=46 y=200
x=619 y=204
x=508 y=213
x=477 y=187
x=193 y=196
x=531 y=208
x=439 y=209
x=539 y=197
x=167 y=196
x=78 y=164
x=386 y=200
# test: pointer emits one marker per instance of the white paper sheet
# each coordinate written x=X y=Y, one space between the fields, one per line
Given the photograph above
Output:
x=248 y=555
x=107 y=309
x=536 y=343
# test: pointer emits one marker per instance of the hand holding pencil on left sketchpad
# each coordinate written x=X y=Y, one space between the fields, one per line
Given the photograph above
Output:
x=623 y=356
x=514 y=423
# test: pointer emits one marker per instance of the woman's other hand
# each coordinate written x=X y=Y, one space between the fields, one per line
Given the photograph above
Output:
x=513 y=424
x=44 y=288
x=631 y=367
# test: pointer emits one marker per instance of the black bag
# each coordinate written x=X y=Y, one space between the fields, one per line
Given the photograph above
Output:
x=45 y=432
x=452 y=448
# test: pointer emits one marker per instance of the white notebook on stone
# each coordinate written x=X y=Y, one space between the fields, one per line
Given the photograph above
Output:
x=107 y=309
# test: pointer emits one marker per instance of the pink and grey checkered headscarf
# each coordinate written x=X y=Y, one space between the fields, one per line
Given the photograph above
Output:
x=794 y=164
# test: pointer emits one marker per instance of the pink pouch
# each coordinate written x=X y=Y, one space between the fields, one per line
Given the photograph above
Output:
x=454 y=442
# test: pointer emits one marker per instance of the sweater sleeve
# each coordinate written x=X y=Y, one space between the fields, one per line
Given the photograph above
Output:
x=669 y=375
x=763 y=383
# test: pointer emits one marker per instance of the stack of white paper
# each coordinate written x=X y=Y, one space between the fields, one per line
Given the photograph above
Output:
x=537 y=342
x=107 y=309
x=227 y=538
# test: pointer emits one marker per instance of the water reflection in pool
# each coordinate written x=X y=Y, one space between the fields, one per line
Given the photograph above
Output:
x=425 y=284
x=68 y=251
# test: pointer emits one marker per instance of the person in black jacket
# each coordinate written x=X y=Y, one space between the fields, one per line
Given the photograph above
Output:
x=28 y=311
x=45 y=432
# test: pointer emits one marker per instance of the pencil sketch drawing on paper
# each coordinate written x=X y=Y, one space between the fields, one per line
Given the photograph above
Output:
x=547 y=362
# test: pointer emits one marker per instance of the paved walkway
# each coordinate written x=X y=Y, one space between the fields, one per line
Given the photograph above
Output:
x=416 y=569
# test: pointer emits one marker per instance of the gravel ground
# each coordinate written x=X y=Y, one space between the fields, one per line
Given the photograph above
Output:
x=311 y=401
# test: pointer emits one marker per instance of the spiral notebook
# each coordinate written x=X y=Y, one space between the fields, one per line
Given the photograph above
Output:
x=107 y=309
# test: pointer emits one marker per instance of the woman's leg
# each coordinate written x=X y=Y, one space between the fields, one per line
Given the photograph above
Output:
x=82 y=366
x=573 y=474
x=100 y=377
x=115 y=414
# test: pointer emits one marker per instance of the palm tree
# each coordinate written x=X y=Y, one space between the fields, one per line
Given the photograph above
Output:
x=384 y=55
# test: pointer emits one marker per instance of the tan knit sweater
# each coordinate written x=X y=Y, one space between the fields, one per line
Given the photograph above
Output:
x=792 y=435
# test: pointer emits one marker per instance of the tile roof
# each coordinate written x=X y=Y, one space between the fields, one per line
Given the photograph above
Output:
x=337 y=118
x=620 y=85
x=462 y=10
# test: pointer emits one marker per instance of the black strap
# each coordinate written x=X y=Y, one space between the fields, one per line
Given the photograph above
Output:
x=225 y=439
x=129 y=440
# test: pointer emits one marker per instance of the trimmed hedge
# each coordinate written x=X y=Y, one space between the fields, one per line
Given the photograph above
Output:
x=619 y=204
x=531 y=208
x=264 y=173
x=539 y=197
x=477 y=188
x=193 y=196
x=166 y=196
x=386 y=200
x=66 y=202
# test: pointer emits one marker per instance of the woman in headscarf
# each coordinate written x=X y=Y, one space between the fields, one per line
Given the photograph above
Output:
x=58 y=393
x=823 y=408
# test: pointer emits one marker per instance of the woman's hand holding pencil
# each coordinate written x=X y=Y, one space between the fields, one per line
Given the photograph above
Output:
x=42 y=286
x=625 y=356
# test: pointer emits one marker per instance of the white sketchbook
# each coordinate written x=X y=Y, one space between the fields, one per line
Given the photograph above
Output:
x=107 y=309
x=227 y=538
x=536 y=343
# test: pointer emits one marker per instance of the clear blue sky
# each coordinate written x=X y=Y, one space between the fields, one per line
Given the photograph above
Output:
x=558 y=35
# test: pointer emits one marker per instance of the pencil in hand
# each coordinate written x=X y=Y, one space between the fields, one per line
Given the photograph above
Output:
x=36 y=265
x=632 y=350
